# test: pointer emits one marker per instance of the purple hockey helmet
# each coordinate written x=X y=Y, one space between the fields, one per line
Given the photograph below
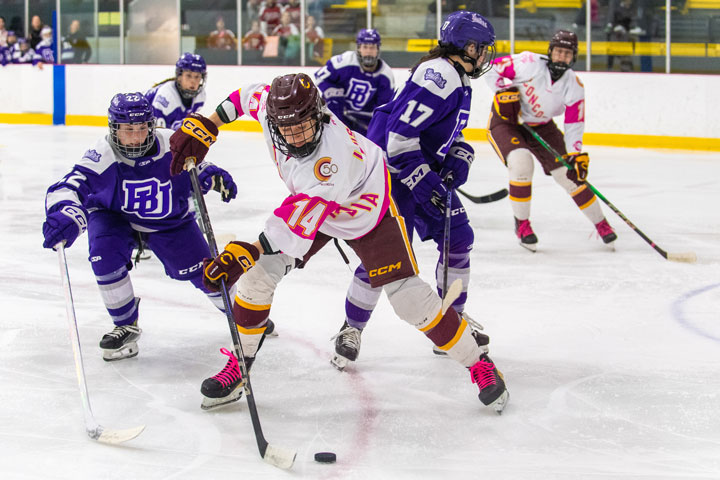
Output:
x=134 y=109
x=194 y=63
x=463 y=28
x=368 y=36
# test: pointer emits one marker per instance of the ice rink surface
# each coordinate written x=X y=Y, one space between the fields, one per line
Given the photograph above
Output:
x=612 y=359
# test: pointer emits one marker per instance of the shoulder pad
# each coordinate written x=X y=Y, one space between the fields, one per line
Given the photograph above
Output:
x=438 y=76
x=162 y=137
x=98 y=158
x=345 y=59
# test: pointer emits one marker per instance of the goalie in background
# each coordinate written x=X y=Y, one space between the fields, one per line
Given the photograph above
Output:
x=119 y=188
x=354 y=83
x=535 y=88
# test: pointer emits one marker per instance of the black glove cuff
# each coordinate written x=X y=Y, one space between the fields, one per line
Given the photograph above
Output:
x=265 y=243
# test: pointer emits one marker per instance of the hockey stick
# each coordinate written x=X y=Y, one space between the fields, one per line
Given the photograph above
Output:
x=489 y=198
x=93 y=429
x=451 y=294
x=274 y=455
x=687 y=257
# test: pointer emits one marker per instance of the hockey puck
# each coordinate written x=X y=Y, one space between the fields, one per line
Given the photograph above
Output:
x=325 y=457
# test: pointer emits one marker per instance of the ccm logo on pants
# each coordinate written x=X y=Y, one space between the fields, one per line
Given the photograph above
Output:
x=383 y=270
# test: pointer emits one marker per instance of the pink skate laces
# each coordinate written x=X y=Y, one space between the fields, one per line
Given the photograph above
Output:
x=483 y=374
x=231 y=373
x=524 y=229
x=604 y=228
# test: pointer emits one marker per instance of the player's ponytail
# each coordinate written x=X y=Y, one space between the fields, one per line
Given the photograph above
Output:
x=438 y=51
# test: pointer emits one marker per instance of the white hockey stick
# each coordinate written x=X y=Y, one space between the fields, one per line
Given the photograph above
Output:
x=94 y=429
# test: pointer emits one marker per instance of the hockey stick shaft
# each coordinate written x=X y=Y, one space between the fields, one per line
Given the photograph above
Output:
x=489 y=198
x=277 y=456
x=93 y=429
x=446 y=236
x=678 y=257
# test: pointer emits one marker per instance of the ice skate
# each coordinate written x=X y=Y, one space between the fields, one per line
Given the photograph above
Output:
x=525 y=233
x=491 y=384
x=607 y=233
x=120 y=343
x=347 y=346
x=270 y=329
x=225 y=387
x=482 y=340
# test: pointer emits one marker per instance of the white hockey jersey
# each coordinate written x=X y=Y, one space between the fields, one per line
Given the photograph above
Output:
x=342 y=189
x=540 y=98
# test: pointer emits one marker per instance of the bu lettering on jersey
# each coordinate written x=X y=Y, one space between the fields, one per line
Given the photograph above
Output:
x=149 y=199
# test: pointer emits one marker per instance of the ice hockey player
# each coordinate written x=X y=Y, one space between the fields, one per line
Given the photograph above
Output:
x=354 y=83
x=177 y=97
x=421 y=133
x=535 y=88
x=119 y=188
x=339 y=188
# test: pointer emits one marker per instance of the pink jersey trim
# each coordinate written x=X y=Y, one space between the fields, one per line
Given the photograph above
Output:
x=505 y=67
x=235 y=99
x=574 y=113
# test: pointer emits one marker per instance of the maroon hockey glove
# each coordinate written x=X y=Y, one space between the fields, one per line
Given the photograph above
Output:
x=236 y=259
x=579 y=163
x=507 y=104
x=191 y=140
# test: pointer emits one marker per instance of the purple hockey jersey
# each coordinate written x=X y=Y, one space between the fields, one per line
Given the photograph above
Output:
x=168 y=106
x=421 y=123
x=140 y=190
x=353 y=93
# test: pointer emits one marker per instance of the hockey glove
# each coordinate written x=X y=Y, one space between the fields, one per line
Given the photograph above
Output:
x=236 y=259
x=215 y=178
x=579 y=163
x=191 y=140
x=507 y=104
x=64 y=224
x=457 y=163
x=427 y=187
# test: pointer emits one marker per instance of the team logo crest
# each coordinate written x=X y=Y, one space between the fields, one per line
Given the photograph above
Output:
x=162 y=100
x=324 y=169
x=150 y=199
x=92 y=155
x=435 y=77
x=359 y=93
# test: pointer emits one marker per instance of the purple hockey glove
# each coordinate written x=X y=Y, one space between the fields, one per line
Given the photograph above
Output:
x=427 y=187
x=215 y=178
x=457 y=163
x=64 y=224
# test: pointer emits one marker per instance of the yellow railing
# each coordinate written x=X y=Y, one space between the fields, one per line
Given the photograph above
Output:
x=533 y=5
x=657 y=49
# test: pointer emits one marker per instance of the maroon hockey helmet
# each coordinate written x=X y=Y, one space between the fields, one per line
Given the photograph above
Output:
x=292 y=100
x=562 y=39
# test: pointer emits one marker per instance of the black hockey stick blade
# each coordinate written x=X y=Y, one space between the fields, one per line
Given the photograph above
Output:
x=489 y=198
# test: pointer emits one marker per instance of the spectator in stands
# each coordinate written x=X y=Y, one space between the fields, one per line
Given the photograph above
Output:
x=254 y=39
x=289 y=39
x=75 y=47
x=45 y=47
x=6 y=52
x=293 y=8
x=221 y=38
x=269 y=16
x=3 y=32
x=24 y=53
x=36 y=26
x=314 y=44
x=621 y=27
x=252 y=12
x=582 y=14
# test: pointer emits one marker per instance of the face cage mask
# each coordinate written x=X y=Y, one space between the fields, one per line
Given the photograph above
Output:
x=558 y=69
x=189 y=94
x=290 y=150
x=478 y=70
x=132 y=151
x=368 y=60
